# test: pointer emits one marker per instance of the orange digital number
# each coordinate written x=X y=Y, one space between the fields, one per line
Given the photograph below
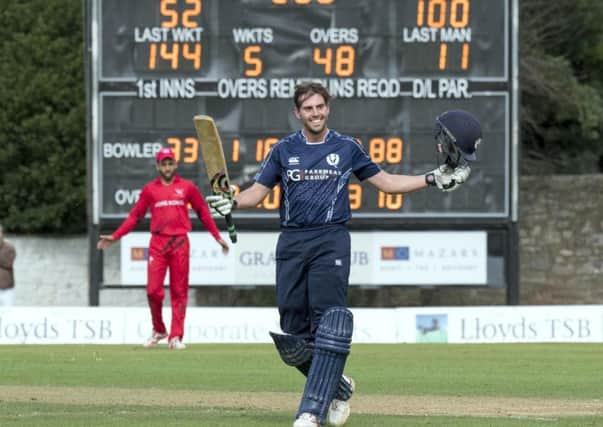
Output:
x=465 y=56
x=250 y=56
x=262 y=148
x=171 y=53
x=443 y=56
x=172 y=15
x=152 y=56
x=459 y=19
x=442 y=63
x=436 y=19
x=176 y=146
x=325 y=60
x=420 y=13
x=344 y=63
x=189 y=152
x=190 y=13
x=389 y=201
x=344 y=60
x=386 y=151
x=192 y=54
x=236 y=150
x=166 y=10
x=355 y=196
x=438 y=14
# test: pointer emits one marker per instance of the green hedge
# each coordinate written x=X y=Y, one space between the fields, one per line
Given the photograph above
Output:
x=42 y=117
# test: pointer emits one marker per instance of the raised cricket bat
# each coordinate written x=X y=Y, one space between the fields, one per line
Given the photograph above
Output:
x=215 y=164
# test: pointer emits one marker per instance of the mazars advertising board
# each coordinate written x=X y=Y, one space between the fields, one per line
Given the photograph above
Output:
x=377 y=258
x=249 y=262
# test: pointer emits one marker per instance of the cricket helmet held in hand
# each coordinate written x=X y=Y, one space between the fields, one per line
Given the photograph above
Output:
x=458 y=134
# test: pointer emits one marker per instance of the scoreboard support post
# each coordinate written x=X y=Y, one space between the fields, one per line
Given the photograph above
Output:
x=512 y=265
x=95 y=266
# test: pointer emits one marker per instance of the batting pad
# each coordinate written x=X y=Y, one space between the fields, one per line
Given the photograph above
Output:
x=294 y=351
x=344 y=390
x=331 y=349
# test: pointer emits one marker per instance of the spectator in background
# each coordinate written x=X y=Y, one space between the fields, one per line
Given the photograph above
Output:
x=7 y=277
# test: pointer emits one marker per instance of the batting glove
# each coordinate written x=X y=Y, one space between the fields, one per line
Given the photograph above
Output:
x=461 y=174
x=447 y=179
x=219 y=204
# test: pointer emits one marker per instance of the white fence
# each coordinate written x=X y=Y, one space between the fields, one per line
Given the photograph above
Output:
x=131 y=325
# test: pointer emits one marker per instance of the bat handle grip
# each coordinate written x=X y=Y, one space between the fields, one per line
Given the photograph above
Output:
x=232 y=231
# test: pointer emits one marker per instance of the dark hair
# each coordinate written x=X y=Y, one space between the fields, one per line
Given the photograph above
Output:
x=303 y=90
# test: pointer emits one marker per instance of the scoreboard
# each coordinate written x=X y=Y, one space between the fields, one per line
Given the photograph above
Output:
x=391 y=65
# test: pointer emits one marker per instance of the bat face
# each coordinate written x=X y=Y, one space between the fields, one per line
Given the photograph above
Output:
x=213 y=154
x=215 y=164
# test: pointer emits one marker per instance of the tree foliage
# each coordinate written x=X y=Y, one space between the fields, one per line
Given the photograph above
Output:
x=42 y=118
x=561 y=77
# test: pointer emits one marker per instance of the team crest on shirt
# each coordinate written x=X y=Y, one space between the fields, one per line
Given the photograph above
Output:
x=179 y=192
x=333 y=159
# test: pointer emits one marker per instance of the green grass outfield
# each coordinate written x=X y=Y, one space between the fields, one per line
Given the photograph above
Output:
x=247 y=385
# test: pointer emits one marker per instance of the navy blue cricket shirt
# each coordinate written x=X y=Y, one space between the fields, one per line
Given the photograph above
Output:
x=314 y=177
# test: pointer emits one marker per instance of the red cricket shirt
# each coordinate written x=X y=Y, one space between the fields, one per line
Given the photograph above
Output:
x=169 y=209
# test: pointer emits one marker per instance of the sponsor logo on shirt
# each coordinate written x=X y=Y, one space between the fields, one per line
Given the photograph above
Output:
x=179 y=192
x=294 y=160
x=164 y=203
x=312 y=174
x=333 y=159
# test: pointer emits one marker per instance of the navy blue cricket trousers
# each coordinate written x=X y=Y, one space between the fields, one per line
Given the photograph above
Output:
x=312 y=274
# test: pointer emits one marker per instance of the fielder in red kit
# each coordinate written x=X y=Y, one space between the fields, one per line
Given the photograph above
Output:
x=168 y=198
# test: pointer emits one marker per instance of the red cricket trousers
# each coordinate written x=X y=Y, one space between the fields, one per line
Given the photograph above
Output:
x=168 y=252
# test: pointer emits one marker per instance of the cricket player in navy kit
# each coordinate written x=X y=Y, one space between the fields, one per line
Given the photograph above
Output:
x=313 y=167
